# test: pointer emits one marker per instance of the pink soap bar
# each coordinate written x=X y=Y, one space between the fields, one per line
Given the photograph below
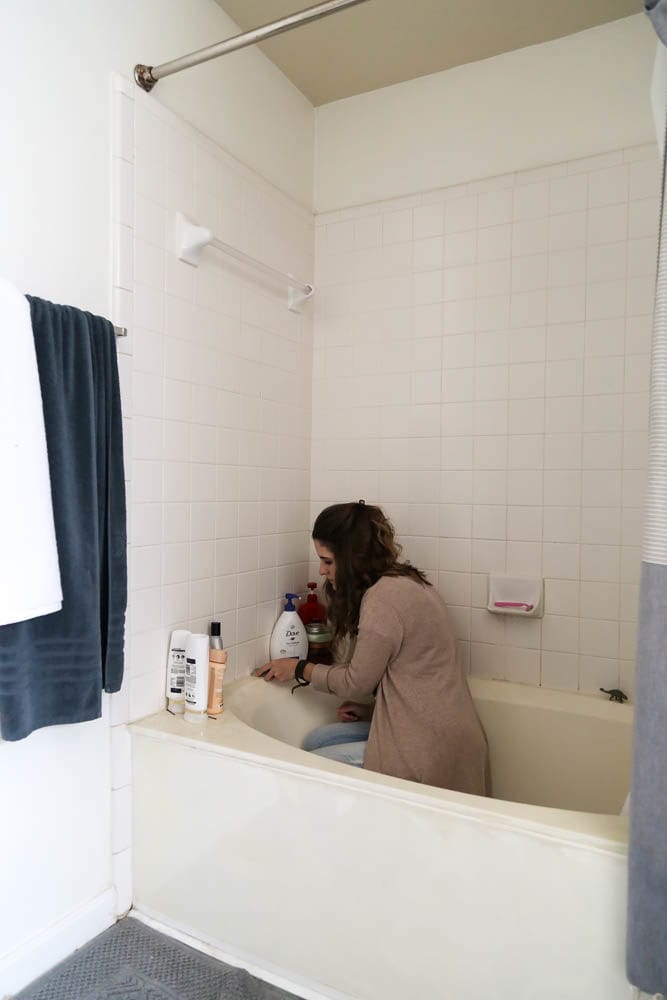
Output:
x=514 y=604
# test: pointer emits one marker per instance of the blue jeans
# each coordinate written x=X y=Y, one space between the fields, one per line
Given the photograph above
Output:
x=342 y=741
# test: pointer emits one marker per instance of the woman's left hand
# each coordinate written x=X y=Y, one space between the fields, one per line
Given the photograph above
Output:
x=278 y=670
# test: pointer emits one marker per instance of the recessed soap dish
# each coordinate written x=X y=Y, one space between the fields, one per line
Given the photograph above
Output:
x=516 y=595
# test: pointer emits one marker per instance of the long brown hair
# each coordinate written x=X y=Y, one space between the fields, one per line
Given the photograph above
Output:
x=362 y=540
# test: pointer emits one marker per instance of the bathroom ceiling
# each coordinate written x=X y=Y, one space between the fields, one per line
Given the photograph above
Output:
x=381 y=42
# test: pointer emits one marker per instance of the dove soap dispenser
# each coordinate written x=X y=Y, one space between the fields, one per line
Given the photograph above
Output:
x=289 y=637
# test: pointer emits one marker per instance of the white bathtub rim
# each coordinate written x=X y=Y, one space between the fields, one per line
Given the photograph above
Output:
x=566 y=827
x=555 y=700
x=234 y=956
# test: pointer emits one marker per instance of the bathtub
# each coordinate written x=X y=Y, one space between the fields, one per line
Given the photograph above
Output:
x=339 y=883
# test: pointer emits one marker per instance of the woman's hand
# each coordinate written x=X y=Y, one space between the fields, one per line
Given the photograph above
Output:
x=354 y=711
x=278 y=670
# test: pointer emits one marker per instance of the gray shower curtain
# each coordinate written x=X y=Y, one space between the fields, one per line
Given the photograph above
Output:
x=657 y=11
x=647 y=898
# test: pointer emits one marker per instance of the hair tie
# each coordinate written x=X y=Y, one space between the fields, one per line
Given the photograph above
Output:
x=362 y=503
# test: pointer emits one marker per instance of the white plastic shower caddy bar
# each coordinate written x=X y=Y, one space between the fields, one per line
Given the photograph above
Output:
x=147 y=76
x=191 y=240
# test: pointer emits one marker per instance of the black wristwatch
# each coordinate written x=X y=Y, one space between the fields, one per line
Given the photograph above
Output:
x=298 y=673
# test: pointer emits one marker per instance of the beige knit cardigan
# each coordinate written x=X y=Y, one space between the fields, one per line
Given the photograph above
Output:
x=424 y=726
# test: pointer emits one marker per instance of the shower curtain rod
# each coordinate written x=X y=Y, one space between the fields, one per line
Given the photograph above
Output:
x=147 y=76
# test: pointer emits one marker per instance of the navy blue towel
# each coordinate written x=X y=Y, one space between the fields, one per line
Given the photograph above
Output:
x=53 y=668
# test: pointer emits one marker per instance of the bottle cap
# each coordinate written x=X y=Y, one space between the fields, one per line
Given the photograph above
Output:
x=215 y=628
x=312 y=586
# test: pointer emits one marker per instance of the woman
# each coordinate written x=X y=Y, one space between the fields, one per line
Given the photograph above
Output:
x=424 y=726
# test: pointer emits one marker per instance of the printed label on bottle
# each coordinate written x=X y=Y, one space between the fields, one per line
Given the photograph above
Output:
x=292 y=640
x=190 y=681
x=176 y=671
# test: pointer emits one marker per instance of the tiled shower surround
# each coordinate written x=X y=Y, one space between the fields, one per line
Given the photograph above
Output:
x=216 y=387
x=217 y=395
x=481 y=369
x=478 y=364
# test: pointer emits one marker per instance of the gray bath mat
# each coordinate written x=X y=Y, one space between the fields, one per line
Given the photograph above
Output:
x=131 y=961
x=240 y=985
x=130 y=985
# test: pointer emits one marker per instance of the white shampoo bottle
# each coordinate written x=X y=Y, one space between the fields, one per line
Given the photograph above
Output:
x=196 y=677
x=289 y=636
x=176 y=671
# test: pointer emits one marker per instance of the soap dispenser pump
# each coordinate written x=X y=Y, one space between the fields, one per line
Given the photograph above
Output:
x=289 y=637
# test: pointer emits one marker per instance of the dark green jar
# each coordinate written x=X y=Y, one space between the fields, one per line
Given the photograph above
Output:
x=320 y=638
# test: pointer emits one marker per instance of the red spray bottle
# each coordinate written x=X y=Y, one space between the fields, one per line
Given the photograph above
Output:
x=312 y=610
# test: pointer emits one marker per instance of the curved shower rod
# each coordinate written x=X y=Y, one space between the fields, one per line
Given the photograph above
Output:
x=147 y=76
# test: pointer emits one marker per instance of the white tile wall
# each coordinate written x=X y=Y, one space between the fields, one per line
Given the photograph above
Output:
x=215 y=382
x=481 y=370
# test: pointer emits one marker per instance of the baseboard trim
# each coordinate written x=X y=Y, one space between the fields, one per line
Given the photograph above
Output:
x=270 y=974
x=32 y=959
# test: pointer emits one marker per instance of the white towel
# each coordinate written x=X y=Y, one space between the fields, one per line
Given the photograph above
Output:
x=29 y=570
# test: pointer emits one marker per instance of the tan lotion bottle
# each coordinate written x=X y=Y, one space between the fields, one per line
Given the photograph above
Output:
x=217 y=664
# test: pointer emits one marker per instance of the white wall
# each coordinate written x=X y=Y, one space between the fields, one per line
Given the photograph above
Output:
x=216 y=378
x=55 y=197
x=561 y=100
x=485 y=262
x=56 y=837
x=57 y=61
x=481 y=369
